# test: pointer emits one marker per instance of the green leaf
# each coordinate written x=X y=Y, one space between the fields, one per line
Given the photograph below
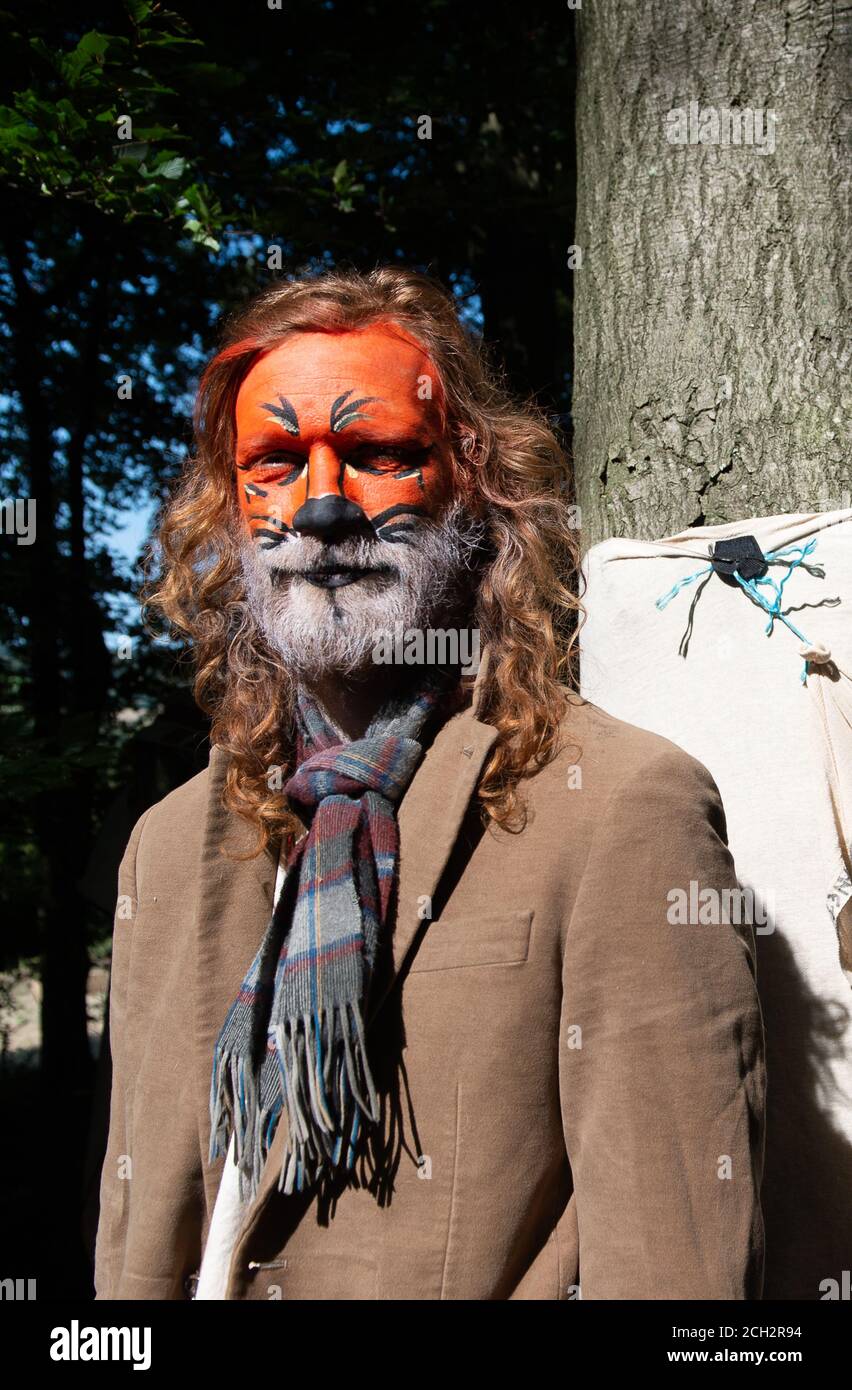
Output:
x=138 y=10
x=172 y=169
x=94 y=46
x=171 y=41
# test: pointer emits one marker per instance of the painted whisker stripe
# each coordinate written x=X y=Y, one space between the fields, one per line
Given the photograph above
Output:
x=394 y=534
x=400 y=509
x=271 y=538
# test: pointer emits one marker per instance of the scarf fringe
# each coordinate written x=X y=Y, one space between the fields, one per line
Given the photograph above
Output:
x=327 y=1086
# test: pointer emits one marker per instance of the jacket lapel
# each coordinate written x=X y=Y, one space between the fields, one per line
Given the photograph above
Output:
x=430 y=817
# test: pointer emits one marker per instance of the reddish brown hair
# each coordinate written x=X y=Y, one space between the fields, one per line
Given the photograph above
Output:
x=511 y=469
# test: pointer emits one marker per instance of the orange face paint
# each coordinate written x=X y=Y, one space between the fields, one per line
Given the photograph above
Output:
x=336 y=431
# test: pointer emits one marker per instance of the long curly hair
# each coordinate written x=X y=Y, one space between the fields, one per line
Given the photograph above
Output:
x=508 y=463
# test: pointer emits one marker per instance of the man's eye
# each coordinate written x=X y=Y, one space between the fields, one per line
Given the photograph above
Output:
x=279 y=463
x=381 y=458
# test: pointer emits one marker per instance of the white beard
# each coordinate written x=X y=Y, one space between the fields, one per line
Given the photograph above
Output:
x=319 y=631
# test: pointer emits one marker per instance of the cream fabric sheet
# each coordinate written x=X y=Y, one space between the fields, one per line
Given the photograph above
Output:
x=781 y=755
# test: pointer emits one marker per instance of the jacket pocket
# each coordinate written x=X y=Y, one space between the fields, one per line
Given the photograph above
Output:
x=451 y=943
x=332 y=1275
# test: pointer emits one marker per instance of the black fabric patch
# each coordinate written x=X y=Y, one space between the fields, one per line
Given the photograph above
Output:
x=741 y=553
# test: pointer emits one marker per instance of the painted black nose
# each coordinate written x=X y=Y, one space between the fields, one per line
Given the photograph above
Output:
x=325 y=517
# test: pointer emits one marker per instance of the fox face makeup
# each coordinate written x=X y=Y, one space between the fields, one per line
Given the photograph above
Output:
x=335 y=434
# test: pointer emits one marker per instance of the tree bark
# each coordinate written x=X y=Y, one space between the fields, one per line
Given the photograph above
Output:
x=711 y=376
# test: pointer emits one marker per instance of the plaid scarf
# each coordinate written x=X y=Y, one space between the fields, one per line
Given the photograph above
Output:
x=294 y=1037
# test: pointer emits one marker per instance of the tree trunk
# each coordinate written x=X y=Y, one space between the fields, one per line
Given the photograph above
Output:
x=713 y=287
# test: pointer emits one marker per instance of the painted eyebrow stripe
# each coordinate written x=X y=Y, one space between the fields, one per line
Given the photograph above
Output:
x=343 y=415
x=285 y=413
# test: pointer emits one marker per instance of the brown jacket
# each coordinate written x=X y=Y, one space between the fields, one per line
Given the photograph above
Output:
x=575 y=1085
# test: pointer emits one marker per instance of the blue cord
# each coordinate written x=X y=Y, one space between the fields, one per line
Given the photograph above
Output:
x=681 y=584
x=751 y=588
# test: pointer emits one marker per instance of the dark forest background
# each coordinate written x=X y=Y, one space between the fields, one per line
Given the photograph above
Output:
x=264 y=142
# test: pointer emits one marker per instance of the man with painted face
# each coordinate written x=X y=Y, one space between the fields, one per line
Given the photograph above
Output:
x=397 y=1007
x=354 y=519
